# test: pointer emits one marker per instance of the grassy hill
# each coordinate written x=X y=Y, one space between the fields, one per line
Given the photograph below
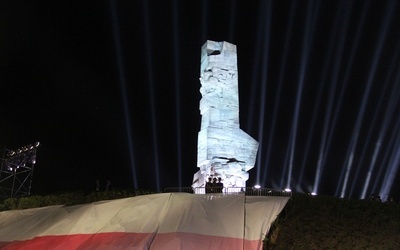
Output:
x=322 y=222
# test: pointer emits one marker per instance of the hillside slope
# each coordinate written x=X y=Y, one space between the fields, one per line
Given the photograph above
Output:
x=322 y=222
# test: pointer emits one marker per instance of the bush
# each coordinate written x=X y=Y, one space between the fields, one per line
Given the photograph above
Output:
x=11 y=203
x=68 y=199
x=323 y=222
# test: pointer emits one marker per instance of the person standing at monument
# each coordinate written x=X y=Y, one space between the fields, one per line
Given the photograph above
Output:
x=209 y=185
x=220 y=185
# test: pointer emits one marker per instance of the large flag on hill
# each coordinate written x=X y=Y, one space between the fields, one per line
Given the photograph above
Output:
x=157 y=221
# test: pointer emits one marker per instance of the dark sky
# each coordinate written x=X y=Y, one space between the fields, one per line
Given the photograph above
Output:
x=111 y=90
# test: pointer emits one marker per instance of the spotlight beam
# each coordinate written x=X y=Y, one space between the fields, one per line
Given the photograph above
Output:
x=385 y=159
x=258 y=60
x=122 y=82
x=390 y=111
x=365 y=147
x=151 y=92
x=307 y=40
x=360 y=117
x=394 y=161
x=332 y=89
x=327 y=66
x=279 y=89
x=355 y=45
x=391 y=170
x=264 y=82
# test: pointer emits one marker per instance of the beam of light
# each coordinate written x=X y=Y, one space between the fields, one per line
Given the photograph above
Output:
x=151 y=89
x=392 y=169
x=390 y=111
x=177 y=89
x=345 y=80
x=385 y=160
x=122 y=82
x=364 y=150
x=332 y=90
x=309 y=31
x=394 y=161
x=286 y=162
x=318 y=101
x=279 y=89
x=257 y=62
x=266 y=10
x=317 y=105
x=360 y=117
x=310 y=133
x=367 y=144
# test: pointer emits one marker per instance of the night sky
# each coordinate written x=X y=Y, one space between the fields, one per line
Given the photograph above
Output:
x=111 y=90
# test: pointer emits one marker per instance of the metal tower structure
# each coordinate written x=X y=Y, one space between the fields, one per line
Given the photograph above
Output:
x=16 y=171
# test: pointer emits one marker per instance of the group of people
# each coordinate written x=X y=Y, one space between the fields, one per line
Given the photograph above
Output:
x=376 y=197
x=212 y=186
x=107 y=185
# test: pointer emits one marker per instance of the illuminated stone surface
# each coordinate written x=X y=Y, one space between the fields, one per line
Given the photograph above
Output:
x=223 y=149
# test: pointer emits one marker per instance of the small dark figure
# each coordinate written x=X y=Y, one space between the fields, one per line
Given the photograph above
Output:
x=97 y=185
x=214 y=186
x=209 y=186
x=220 y=185
x=390 y=200
x=108 y=185
x=372 y=197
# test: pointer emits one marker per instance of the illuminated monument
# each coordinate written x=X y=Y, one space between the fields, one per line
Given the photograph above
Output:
x=223 y=150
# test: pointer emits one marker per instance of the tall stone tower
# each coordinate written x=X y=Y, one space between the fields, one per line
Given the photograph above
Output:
x=223 y=150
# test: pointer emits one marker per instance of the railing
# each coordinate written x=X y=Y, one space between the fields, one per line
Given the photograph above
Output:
x=249 y=191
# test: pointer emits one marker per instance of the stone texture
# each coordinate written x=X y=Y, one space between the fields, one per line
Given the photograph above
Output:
x=223 y=150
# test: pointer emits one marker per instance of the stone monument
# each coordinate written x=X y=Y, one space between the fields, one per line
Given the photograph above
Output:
x=223 y=150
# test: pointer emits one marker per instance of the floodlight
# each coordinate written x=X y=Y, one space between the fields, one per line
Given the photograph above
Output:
x=288 y=190
x=33 y=159
x=257 y=186
x=16 y=171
